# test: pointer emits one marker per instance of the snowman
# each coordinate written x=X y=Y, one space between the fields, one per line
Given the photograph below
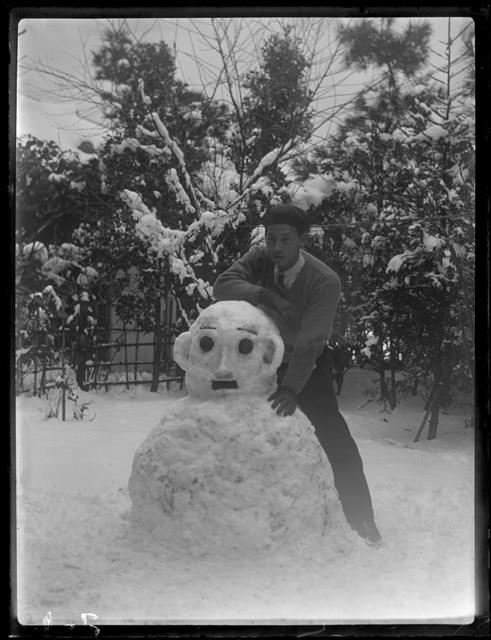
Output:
x=222 y=472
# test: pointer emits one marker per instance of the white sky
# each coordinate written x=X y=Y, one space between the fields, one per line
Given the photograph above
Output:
x=65 y=43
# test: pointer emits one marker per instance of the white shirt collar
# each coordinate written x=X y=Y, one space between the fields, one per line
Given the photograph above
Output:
x=290 y=275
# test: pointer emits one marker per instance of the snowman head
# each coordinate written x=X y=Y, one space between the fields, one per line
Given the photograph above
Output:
x=231 y=348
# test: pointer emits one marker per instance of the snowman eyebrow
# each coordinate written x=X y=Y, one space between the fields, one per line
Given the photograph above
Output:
x=205 y=326
x=245 y=329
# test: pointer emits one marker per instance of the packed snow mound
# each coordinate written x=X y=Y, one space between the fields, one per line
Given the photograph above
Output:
x=228 y=474
x=222 y=471
x=232 y=348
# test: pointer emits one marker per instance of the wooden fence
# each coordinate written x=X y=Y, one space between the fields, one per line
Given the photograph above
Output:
x=109 y=357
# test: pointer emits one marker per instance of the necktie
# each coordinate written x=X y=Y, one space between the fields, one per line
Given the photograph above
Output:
x=281 y=281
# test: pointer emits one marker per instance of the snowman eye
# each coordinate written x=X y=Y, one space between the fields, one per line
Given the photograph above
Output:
x=246 y=345
x=206 y=343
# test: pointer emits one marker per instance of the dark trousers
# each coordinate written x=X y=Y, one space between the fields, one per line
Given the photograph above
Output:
x=319 y=403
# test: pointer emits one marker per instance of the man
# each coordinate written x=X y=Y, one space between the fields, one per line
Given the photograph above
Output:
x=301 y=293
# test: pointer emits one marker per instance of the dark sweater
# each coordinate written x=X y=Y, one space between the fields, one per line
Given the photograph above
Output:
x=314 y=297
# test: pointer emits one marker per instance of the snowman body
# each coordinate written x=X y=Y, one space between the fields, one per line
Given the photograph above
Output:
x=222 y=471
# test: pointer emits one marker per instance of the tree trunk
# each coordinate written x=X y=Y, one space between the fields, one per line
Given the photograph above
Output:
x=427 y=413
x=126 y=376
x=435 y=404
x=384 y=391
x=383 y=384
x=42 y=382
x=81 y=351
x=157 y=351
x=393 y=393
x=446 y=386
x=434 y=417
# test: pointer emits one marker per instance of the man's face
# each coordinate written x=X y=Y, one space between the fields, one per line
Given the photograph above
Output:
x=283 y=243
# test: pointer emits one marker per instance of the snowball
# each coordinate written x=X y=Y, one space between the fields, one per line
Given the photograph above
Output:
x=222 y=472
x=226 y=325
x=222 y=476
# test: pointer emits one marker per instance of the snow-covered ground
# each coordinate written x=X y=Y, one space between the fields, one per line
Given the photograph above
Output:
x=76 y=553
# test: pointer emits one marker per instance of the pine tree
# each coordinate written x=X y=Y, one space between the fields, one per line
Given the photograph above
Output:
x=141 y=80
x=370 y=43
x=400 y=234
x=277 y=100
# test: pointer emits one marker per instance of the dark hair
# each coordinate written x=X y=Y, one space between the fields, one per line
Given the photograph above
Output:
x=287 y=214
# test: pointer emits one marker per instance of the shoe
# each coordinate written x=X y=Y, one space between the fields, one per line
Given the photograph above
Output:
x=369 y=532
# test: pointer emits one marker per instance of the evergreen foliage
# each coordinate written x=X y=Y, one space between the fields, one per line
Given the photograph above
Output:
x=176 y=192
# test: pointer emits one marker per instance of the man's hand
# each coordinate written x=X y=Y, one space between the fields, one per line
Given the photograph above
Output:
x=284 y=401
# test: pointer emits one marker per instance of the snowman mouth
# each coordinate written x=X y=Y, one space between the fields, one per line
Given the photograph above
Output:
x=224 y=384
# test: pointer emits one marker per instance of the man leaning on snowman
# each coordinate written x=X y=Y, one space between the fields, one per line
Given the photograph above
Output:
x=301 y=294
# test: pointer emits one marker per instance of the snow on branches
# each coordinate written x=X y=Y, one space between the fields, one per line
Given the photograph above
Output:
x=133 y=145
x=267 y=160
x=312 y=191
x=213 y=223
x=165 y=244
x=35 y=251
x=178 y=154
x=174 y=184
x=161 y=240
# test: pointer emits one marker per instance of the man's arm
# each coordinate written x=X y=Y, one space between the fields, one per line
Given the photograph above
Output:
x=238 y=281
x=313 y=336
